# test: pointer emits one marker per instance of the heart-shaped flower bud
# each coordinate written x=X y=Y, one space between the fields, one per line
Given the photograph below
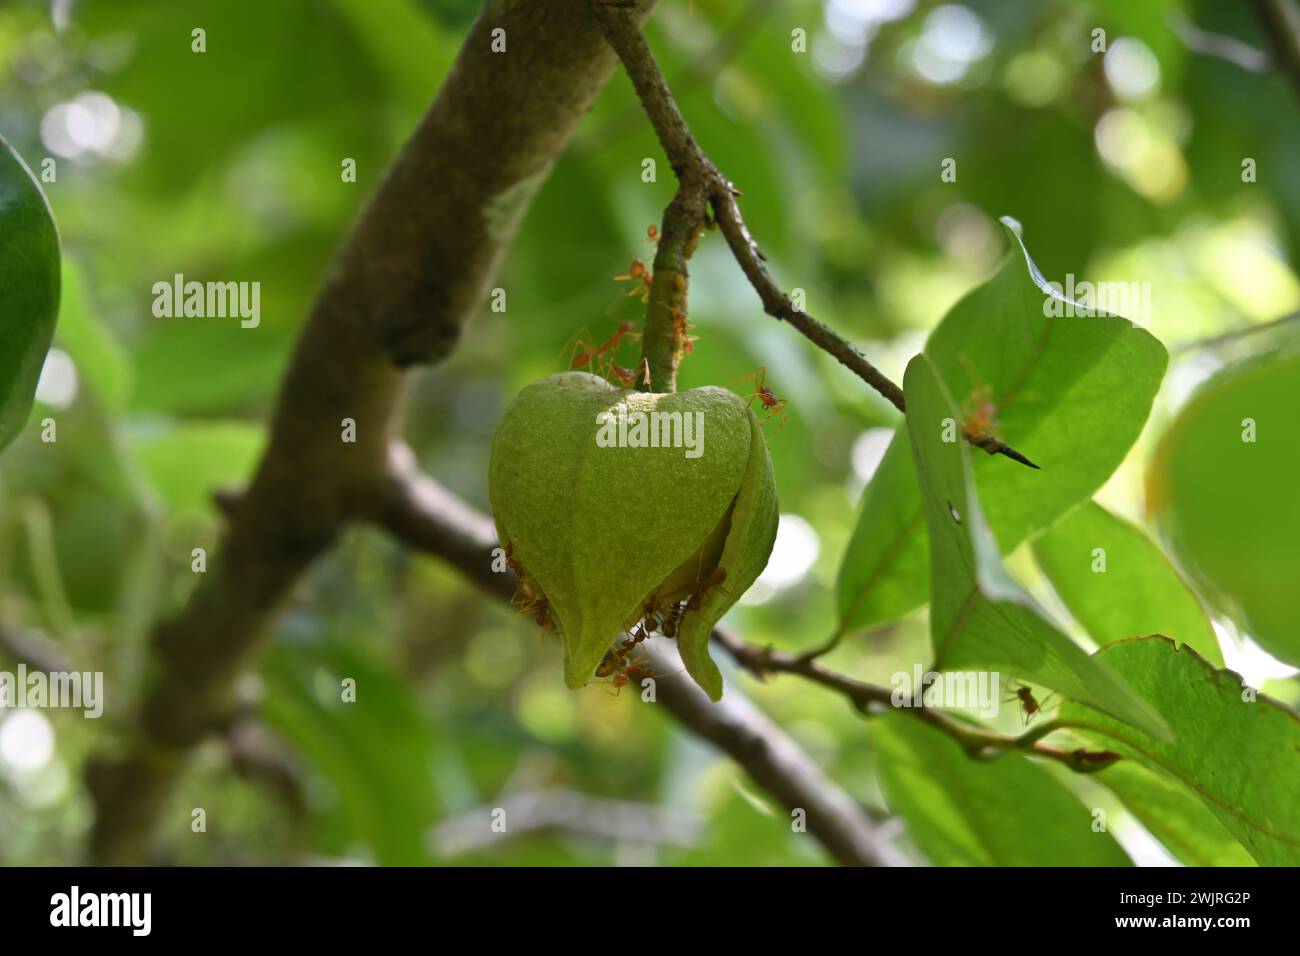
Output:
x=628 y=512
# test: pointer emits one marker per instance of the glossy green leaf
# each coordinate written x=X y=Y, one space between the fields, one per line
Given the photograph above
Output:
x=1135 y=592
x=979 y=617
x=1222 y=487
x=1240 y=756
x=964 y=812
x=1175 y=816
x=29 y=289
x=1071 y=393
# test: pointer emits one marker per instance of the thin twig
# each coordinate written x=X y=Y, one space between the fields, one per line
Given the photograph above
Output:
x=427 y=517
x=1227 y=48
x=872 y=699
x=36 y=652
x=1233 y=335
x=728 y=44
x=698 y=175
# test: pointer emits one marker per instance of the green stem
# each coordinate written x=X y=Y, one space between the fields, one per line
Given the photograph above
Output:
x=664 y=336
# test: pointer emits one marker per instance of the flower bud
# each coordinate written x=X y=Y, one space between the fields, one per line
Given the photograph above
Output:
x=620 y=506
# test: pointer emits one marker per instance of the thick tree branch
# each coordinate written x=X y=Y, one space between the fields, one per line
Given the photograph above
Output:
x=36 y=652
x=414 y=269
x=699 y=178
x=1281 y=22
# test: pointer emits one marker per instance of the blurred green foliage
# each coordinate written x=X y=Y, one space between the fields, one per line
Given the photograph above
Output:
x=226 y=166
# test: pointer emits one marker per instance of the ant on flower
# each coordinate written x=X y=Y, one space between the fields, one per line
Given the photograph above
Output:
x=714 y=580
x=774 y=405
x=619 y=666
x=602 y=358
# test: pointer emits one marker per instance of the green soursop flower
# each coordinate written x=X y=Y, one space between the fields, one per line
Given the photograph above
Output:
x=610 y=501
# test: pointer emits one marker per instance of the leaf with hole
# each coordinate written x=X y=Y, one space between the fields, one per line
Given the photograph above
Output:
x=1069 y=392
x=979 y=616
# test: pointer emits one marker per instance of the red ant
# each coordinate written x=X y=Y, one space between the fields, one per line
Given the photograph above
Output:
x=652 y=235
x=673 y=619
x=526 y=597
x=655 y=616
x=626 y=376
x=531 y=605
x=979 y=418
x=979 y=413
x=618 y=667
x=682 y=329
x=638 y=273
x=774 y=405
x=616 y=664
x=599 y=356
x=640 y=632
x=714 y=580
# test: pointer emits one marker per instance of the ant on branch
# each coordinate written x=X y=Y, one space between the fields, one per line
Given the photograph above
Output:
x=774 y=405
x=682 y=328
x=638 y=273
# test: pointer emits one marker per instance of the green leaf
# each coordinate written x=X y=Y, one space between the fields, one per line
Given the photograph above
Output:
x=384 y=793
x=99 y=356
x=979 y=617
x=1225 y=505
x=1071 y=393
x=29 y=289
x=1137 y=593
x=964 y=812
x=1240 y=756
x=1175 y=816
x=189 y=461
